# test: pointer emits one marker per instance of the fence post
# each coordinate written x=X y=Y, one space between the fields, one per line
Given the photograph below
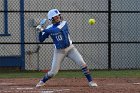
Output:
x=5 y=17
x=22 y=34
x=109 y=34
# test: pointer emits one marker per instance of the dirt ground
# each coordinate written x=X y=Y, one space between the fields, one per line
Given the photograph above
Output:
x=71 y=85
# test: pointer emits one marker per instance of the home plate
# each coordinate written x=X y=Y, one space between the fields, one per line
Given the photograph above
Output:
x=136 y=83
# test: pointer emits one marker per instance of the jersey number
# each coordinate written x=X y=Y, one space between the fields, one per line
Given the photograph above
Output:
x=59 y=38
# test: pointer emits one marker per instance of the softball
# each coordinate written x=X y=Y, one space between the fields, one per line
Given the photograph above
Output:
x=91 y=21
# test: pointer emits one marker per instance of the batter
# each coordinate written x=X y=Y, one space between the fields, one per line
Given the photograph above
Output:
x=63 y=47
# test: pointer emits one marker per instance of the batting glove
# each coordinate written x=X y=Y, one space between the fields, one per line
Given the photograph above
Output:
x=39 y=27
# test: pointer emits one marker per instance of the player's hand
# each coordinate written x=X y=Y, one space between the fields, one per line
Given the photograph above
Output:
x=39 y=27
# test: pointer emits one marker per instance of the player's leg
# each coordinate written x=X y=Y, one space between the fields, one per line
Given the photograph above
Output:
x=76 y=57
x=58 y=57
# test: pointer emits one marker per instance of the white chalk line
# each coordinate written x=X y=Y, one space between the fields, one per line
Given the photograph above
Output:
x=136 y=83
x=42 y=91
x=54 y=90
x=47 y=91
x=112 y=84
x=25 y=88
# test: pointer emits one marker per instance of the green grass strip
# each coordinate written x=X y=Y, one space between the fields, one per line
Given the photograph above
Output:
x=71 y=74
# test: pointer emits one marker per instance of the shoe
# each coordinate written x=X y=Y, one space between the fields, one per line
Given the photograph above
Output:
x=92 y=84
x=40 y=84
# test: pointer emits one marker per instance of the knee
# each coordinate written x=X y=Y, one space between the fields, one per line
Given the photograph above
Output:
x=52 y=73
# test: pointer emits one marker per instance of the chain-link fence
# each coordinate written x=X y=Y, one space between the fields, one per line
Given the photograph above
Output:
x=112 y=43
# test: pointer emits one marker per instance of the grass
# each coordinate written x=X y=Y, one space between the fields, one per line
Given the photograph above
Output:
x=117 y=73
x=71 y=74
x=103 y=74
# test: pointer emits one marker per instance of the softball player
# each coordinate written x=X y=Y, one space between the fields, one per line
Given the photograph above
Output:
x=63 y=47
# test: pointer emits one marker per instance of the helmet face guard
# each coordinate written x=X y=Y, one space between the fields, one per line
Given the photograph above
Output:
x=52 y=13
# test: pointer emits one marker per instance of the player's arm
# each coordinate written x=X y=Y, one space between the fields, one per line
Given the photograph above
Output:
x=43 y=35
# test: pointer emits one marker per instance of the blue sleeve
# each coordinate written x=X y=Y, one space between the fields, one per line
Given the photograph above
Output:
x=43 y=35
